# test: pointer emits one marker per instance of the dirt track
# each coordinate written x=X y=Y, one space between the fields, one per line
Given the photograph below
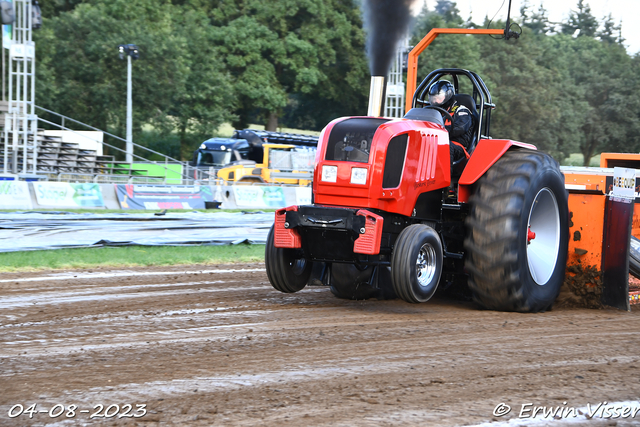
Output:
x=201 y=347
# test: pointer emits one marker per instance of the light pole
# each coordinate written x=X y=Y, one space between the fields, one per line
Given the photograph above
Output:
x=131 y=51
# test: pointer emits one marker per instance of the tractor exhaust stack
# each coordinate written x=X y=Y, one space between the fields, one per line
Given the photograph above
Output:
x=376 y=96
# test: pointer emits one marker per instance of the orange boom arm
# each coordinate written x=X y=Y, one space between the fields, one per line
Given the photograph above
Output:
x=412 y=62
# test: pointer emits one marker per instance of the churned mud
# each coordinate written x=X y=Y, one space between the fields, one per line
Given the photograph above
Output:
x=219 y=346
x=582 y=287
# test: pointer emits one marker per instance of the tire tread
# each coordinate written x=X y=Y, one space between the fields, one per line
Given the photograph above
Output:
x=277 y=272
x=493 y=224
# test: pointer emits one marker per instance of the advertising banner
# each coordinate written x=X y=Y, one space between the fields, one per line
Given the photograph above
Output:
x=68 y=195
x=623 y=184
x=143 y=196
x=259 y=197
x=15 y=195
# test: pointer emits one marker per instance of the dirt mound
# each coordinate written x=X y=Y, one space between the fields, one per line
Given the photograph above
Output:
x=582 y=287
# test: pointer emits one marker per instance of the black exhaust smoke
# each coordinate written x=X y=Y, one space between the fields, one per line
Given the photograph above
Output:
x=386 y=23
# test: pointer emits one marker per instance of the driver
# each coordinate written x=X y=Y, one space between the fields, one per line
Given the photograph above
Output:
x=460 y=125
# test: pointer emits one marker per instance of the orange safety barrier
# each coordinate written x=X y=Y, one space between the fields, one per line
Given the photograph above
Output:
x=600 y=229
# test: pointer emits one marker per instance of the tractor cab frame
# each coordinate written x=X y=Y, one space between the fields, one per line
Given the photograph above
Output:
x=480 y=103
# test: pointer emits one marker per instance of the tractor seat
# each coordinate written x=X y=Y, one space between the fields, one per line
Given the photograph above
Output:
x=467 y=101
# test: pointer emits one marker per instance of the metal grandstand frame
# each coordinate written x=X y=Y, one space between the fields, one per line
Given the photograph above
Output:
x=190 y=175
x=394 y=98
x=21 y=122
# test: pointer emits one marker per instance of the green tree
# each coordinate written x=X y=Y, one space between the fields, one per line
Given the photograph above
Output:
x=446 y=51
x=274 y=49
x=582 y=20
x=629 y=142
x=345 y=90
x=449 y=11
x=302 y=63
x=610 y=32
x=89 y=77
x=528 y=92
x=178 y=79
x=208 y=98
x=53 y=8
x=565 y=99
x=537 y=21
x=603 y=73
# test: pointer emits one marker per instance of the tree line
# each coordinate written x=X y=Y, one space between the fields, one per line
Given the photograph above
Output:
x=566 y=87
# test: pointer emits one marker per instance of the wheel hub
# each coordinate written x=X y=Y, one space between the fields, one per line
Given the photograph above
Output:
x=426 y=264
x=530 y=236
x=543 y=236
x=298 y=265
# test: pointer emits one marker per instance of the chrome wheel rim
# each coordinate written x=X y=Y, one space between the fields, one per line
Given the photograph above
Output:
x=426 y=264
x=542 y=250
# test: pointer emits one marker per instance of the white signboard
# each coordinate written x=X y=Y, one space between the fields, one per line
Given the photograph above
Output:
x=22 y=50
x=255 y=197
x=15 y=195
x=624 y=183
x=70 y=195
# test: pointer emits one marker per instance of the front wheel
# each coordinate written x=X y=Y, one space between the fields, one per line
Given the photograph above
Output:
x=416 y=263
x=518 y=233
x=287 y=269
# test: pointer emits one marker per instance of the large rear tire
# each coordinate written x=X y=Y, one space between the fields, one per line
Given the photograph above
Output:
x=416 y=263
x=518 y=233
x=287 y=270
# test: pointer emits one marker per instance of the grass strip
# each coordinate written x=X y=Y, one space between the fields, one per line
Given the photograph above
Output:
x=128 y=256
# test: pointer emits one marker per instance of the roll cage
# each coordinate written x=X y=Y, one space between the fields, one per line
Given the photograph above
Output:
x=480 y=95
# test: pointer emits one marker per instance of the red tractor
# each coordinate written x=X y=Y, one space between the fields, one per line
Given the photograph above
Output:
x=392 y=216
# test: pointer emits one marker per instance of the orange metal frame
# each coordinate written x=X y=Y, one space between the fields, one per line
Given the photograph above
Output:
x=412 y=62
x=587 y=197
x=605 y=159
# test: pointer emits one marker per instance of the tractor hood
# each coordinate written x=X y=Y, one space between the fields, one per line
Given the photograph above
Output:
x=379 y=163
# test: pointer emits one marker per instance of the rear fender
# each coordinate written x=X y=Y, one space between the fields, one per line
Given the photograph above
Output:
x=487 y=152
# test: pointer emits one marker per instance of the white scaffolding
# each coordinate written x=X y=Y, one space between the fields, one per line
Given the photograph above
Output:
x=20 y=121
x=394 y=99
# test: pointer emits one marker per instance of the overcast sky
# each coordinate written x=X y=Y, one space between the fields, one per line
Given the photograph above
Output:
x=627 y=11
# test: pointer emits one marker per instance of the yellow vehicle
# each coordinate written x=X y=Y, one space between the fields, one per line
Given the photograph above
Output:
x=281 y=164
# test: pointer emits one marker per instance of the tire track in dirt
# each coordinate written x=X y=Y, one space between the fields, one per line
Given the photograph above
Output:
x=207 y=347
